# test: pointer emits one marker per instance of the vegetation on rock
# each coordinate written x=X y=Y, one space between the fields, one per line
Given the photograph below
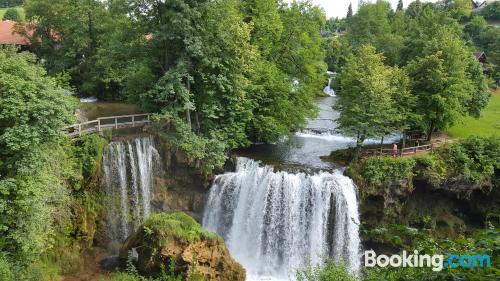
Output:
x=177 y=238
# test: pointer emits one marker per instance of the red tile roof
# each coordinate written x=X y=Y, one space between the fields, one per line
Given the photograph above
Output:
x=8 y=36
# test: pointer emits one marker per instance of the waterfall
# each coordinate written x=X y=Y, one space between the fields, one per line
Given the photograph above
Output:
x=276 y=222
x=129 y=171
x=328 y=90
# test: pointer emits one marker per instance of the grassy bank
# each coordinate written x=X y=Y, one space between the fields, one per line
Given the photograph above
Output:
x=487 y=125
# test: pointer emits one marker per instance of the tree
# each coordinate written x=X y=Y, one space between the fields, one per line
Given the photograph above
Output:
x=12 y=14
x=67 y=36
x=10 y=3
x=400 y=6
x=349 y=11
x=370 y=23
x=373 y=98
x=441 y=82
x=33 y=170
x=460 y=9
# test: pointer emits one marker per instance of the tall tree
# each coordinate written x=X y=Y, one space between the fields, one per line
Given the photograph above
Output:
x=67 y=36
x=400 y=5
x=441 y=81
x=349 y=11
x=371 y=96
x=33 y=109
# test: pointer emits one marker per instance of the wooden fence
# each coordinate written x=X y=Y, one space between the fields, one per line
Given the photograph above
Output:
x=111 y=122
x=399 y=152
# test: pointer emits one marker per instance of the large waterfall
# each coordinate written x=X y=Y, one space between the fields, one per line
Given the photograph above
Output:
x=129 y=170
x=276 y=222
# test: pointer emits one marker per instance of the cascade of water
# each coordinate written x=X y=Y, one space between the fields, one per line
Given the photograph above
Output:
x=275 y=222
x=328 y=90
x=129 y=169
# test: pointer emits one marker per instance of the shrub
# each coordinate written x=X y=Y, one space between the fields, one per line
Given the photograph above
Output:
x=89 y=150
x=5 y=270
x=330 y=271
x=475 y=159
x=179 y=225
x=385 y=170
x=12 y=14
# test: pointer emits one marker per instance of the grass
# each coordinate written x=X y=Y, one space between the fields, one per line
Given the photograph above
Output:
x=19 y=9
x=487 y=125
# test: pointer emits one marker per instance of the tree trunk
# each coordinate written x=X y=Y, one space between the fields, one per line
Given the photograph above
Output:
x=404 y=140
x=188 y=113
x=359 y=145
x=431 y=130
x=197 y=121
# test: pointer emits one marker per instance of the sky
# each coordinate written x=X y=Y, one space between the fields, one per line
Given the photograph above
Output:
x=338 y=8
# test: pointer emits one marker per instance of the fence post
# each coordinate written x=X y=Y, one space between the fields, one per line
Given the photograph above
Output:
x=80 y=130
x=116 y=123
x=133 y=120
x=99 y=125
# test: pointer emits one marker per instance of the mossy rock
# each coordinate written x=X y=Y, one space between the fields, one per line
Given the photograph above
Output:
x=177 y=237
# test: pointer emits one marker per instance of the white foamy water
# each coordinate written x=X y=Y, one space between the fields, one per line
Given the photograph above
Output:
x=129 y=169
x=277 y=222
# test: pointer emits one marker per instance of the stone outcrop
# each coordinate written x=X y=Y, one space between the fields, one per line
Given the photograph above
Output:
x=165 y=239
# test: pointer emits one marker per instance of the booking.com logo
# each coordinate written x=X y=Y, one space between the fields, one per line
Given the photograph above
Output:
x=437 y=262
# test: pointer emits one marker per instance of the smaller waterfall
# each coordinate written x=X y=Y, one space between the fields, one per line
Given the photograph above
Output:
x=328 y=90
x=276 y=222
x=130 y=168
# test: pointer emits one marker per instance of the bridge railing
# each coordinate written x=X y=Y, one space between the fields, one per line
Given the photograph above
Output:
x=109 y=122
x=398 y=152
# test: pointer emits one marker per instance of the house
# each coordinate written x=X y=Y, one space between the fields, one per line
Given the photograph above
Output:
x=480 y=56
x=477 y=5
x=9 y=36
x=483 y=60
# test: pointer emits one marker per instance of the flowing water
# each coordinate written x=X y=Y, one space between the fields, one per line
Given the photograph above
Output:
x=130 y=168
x=275 y=222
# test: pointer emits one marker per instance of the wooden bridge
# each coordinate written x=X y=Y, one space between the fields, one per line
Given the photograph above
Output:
x=399 y=152
x=110 y=122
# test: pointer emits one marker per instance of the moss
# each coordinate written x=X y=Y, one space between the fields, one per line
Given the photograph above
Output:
x=89 y=150
x=178 y=225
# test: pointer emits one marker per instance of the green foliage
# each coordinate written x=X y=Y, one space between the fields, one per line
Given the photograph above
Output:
x=37 y=169
x=491 y=11
x=381 y=171
x=10 y=3
x=483 y=242
x=89 y=150
x=210 y=150
x=475 y=159
x=178 y=225
x=5 y=270
x=12 y=14
x=33 y=108
x=329 y=271
x=371 y=97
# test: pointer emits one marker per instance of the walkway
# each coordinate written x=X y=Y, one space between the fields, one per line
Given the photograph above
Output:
x=111 y=122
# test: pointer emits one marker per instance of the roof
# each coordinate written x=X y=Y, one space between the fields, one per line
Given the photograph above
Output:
x=479 y=55
x=8 y=35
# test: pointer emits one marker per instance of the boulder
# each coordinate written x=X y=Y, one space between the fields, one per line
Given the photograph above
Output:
x=176 y=238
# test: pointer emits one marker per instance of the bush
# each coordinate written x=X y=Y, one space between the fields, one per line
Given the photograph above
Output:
x=5 y=270
x=178 y=225
x=385 y=170
x=331 y=271
x=89 y=150
x=12 y=14
x=475 y=159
